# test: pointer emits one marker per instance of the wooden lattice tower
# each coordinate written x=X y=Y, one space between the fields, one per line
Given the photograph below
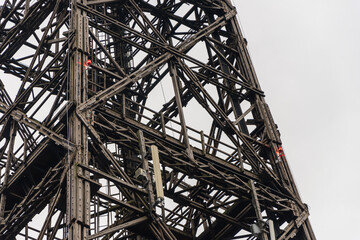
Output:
x=137 y=119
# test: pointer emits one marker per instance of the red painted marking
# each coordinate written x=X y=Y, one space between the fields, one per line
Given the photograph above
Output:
x=86 y=64
x=280 y=152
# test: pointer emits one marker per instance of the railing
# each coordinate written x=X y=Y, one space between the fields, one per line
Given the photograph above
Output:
x=170 y=127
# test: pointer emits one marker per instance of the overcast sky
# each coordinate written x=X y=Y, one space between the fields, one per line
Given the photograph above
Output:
x=307 y=58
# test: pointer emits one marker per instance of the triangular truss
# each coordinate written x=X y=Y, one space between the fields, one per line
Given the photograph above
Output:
x=137 y=119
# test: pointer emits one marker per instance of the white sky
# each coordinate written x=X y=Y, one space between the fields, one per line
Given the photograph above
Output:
x=307 y=58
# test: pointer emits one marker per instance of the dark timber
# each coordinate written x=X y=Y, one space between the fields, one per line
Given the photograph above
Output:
x=108 y=91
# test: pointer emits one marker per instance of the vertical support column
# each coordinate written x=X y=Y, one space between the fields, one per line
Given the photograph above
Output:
x=175 y=81
x=271 y=229
x=202 y=139
x=240 y=158
x=158 y=180
x=145 y=166
x=7 y=170
x=27 y=5
x=157 y=173
x=26 y=232
x=25 y=149
x=256 y=205
x=162 y=121
x=78 y=190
